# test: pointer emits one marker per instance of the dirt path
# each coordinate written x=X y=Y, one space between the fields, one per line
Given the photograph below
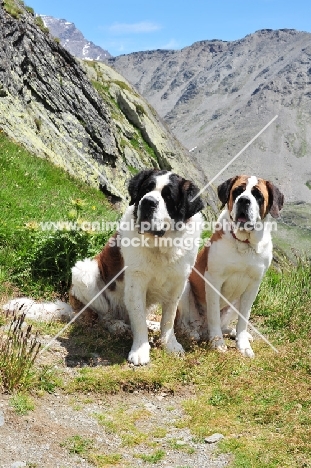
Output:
x=36 y=440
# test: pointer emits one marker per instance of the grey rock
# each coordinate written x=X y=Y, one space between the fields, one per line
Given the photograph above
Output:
x=18 y=464
x=214 y=438
x=1 y=418
x=84 y=117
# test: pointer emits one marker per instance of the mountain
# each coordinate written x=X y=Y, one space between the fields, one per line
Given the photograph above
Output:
x=216 y=96
x=83 y=116
x=73 y=40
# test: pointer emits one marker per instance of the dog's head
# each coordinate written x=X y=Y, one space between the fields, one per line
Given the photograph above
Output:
x=161 y=200
x=249 y=199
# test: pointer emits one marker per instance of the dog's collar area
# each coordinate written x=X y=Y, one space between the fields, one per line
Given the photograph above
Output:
x=246 y=241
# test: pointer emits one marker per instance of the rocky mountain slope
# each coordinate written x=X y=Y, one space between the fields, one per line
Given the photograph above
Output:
x=84 y=117
x=73 y=40
x=216 y=96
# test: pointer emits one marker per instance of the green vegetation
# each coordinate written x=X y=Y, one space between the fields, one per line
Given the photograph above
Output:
x=77 y=444
x=40 y=23
x=102 y=461
x=140 y=109
x=153 y=458
x=12 y=8
x=35 y=256
x=86 y=448
x=18 y=350
x=30 y=10
x=123 y=86
x=22 y=404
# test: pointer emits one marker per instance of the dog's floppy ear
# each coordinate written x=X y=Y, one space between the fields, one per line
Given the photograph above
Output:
x=276 y=200
x=190 y=190
x=224 y=189
x=136 y=182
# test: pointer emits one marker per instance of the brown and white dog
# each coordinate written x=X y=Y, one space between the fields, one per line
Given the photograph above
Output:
x=157 y=241
x=231 y=267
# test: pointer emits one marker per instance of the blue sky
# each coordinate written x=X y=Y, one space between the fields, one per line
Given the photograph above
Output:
x=125 y=26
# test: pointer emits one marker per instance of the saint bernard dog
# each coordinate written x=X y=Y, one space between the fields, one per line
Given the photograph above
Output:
x=229 y=270
x=157 y=243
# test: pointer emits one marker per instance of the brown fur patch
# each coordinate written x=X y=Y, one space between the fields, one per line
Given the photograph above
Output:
x=197 y=283
x=264 y=209
x=110 y=261
x=88 y=316
x=240 y=181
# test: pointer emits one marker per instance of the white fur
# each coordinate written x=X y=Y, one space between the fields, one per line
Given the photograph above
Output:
x=45 y=312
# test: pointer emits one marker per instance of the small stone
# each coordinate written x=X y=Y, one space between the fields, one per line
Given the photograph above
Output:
x=180 y=442
x=213 y=438
x=1 y=419
x=18 y=464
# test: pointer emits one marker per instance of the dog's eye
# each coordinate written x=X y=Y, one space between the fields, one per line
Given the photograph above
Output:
x=257 y=194
x=166 y=192
x=237 y=191
x=146 y=188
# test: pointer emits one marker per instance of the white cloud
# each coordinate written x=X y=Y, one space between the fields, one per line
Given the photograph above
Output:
x=134 y=28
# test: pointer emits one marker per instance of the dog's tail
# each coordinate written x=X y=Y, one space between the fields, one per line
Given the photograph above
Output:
x=45 y=312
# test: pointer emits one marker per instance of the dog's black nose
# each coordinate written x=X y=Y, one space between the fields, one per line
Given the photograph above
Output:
x=149 y=202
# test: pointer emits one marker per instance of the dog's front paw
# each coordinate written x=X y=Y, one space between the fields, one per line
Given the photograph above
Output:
x=218 y=343
x=139 y=354
x=243 y=344
x=172 y=346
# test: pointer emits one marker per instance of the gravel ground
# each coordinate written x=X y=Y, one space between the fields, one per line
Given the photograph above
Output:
x=34 y=440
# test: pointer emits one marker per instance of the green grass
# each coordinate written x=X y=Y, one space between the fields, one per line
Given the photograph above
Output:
x=77 y=444
x=155 y=457
x=85 y=447
x=123 y=422
x=34 y=192
x=22 y=404
x=12 y=8
x=40 y=23
x=18 y=350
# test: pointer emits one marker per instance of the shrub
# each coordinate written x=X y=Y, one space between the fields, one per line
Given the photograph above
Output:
x=39 y=22
x=44 y=261
x=12 y=9
x=30 y=10
x=18 y=351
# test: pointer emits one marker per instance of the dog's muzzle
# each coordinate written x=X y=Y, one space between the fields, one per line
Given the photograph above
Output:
x=146 y=221
x=242 y=211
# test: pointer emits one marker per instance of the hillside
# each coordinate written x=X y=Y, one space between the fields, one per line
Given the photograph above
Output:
x=216 y=96
x=100 y=131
